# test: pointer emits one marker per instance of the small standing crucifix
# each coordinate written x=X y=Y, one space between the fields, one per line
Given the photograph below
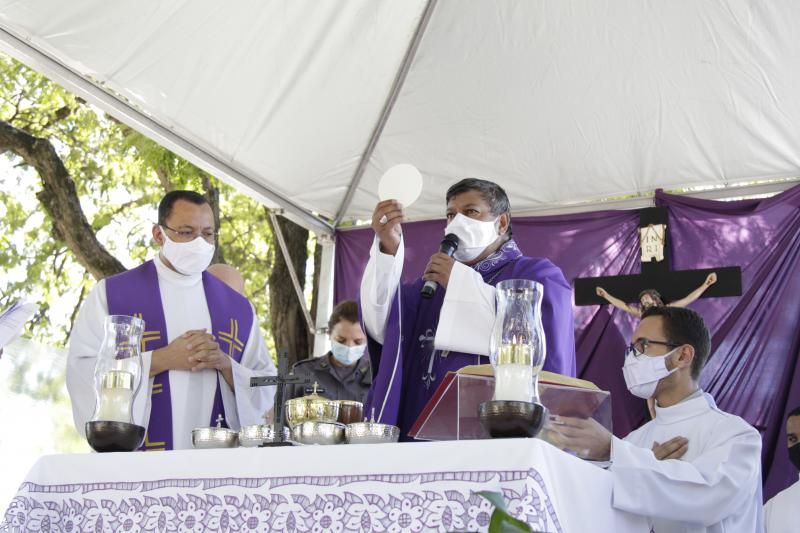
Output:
x=656 y=273
x=283 y=378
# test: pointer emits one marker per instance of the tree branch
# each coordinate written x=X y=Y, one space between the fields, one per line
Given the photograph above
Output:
x=75 y=310
x=60 y=199
x=137 y=202
x=163 y=178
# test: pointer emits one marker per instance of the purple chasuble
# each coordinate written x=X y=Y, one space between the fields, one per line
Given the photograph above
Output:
x=136 y=293
x=406 y=368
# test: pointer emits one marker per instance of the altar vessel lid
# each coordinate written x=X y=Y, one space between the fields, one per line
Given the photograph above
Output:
x=311 y=407
x=401 y=182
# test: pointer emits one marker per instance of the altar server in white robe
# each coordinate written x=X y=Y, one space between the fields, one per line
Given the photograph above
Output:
x=782 y=512
x=201 y=345
x=694 y=468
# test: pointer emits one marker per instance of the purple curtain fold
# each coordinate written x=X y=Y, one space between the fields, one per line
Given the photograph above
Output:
x=753 y=369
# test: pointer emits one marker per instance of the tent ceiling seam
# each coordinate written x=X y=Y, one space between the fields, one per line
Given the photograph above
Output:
x=637 y=202
x=399 y=80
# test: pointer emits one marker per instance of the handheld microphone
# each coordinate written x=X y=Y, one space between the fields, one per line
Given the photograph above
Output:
x=448 y=246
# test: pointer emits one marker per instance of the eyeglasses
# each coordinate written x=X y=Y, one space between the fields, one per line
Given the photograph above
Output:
x=190 y=235
x=640 y=345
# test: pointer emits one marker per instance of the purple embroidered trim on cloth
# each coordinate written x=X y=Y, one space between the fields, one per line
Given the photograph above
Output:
x=394 y=502
x=508 y=252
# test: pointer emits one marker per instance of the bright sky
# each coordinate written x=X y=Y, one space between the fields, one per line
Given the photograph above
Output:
x=31 y=427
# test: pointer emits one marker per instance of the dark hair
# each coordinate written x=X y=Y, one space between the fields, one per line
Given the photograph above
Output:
x=346 y=310
x=794 y=412
x=684 y=326
x=654 y=294
x=166 y=203
x=492 y=193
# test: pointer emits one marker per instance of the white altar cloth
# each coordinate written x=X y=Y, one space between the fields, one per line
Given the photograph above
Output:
x=379 y=487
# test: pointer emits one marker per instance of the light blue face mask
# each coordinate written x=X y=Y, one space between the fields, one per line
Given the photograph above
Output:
x=347 y=355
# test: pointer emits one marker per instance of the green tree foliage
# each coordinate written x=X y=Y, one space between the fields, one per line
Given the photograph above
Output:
x=119 y=175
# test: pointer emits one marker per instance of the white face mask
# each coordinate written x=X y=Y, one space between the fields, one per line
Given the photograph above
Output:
x=188 y=258
x=347 y=355
x=642 y=373
x=473 y=236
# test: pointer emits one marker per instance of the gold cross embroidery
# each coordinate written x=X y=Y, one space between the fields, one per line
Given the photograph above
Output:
x=232 y=338
x=148 y=336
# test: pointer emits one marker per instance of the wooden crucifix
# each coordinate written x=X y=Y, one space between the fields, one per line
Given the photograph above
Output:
x=280 y=381
x=656 y=274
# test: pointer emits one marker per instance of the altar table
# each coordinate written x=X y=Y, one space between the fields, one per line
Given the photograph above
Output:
x=368 y=487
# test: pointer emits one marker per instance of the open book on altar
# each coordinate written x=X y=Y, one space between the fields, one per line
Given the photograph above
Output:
x=452 y=411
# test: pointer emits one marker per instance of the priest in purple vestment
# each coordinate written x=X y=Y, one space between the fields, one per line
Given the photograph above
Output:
x=202 y=342
x=415 y=341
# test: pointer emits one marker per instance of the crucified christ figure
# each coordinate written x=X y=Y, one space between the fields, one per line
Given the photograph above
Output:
x=651 y=297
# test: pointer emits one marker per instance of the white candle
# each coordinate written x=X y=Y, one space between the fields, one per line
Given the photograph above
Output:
x=115 y=405
x=513 y=382
x=116 y=395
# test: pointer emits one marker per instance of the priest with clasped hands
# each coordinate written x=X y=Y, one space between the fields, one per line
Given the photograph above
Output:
x=201 y=343
x=693 y=468
x=415 y=341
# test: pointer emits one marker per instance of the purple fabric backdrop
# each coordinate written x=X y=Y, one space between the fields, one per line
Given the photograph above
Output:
x=752 y=370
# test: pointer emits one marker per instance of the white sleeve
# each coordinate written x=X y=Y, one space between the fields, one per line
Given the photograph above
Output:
x=84 y=345
x=705 y=491
x=246 y=405
x=380 y=282
x=768 y=522
x=467 y=315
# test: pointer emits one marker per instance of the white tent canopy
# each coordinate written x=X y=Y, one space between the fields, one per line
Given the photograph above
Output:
x=304 y=104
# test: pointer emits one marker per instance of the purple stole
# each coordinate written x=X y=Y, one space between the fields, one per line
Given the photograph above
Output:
x=136 y=293
x=402 y=383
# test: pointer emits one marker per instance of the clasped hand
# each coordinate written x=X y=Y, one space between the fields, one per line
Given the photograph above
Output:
x=194 y=350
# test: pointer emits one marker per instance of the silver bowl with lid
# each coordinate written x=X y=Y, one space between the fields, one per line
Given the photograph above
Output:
x=371 y=433
x=316 y=432
x=257 y=434
x=214 y=437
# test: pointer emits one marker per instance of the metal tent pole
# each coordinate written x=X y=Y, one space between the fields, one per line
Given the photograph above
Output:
x=292 y=274
x=399 y=79
x=324 y=294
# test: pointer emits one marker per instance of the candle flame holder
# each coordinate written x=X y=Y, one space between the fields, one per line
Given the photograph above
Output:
x=117 y=378
x=110 y=436
x=517 y=353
